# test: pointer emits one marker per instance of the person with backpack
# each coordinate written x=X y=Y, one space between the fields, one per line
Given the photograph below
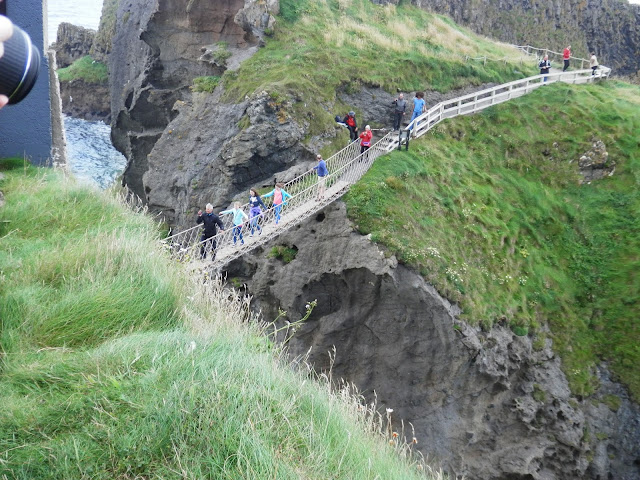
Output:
x=350 y=121
x=399 y=111
x=545 y=65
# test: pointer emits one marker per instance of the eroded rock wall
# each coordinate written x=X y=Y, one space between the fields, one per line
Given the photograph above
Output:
x=157 y=51
x=486 y=405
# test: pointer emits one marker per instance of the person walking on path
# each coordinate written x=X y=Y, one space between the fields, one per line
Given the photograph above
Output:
x=350 y=121
x=566 y=55
x=593 y=63
x=399 y=111
x=545 y=65
x=210 y=222
x=365 y=140
x=238 y=219
x=418 y=108
x=279 y=199
x=255 y=211
x=321 y=168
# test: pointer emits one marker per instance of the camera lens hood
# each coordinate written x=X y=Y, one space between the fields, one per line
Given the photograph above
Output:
x=19 y=66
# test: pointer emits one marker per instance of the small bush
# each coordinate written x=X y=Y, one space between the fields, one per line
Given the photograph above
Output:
x=205 y=84
x=284 y=253
x=87 y=69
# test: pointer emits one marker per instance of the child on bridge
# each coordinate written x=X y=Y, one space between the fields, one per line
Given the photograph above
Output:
x=279 y=199
x=238 y=216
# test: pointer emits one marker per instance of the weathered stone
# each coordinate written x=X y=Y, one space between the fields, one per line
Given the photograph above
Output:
x=157 y=52
x=596 y=164
x=86 y=100
x=72 y=43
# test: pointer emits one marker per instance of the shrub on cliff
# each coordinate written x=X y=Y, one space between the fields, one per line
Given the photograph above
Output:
x=114 y=364
x=86 y=69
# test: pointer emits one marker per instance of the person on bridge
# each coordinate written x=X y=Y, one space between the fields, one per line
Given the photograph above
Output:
x=210 y=221
x=365 y=140
x=545 y=65
x=255 y=211
x=593 y=63
x=418 y=108
x=399 y=111
x=566 y=55
x=350 y=121
x=322 y=171
x=238 y=219
x=279 y=199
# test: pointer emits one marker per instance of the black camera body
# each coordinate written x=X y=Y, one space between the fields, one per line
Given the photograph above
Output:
x=19 y=66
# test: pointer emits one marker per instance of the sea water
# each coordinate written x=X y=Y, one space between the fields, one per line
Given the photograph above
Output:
x=90 y=154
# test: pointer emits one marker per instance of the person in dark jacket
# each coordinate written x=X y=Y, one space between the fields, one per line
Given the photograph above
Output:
x=399 y=111
x=545 y=65
x=210 y=221
x=350 y=121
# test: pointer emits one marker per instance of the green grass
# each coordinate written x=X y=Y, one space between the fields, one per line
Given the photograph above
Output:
x=321 y=47
x=487 y=209
x=86 y=69
x=284 y=253
x=205 y=84
x=115 y=363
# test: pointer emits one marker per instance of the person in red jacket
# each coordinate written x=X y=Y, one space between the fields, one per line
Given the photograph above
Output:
x=350 y=121
x=365 y=140
x=566 y=55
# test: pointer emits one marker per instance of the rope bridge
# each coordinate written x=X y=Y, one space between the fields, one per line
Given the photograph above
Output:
x=347 y=167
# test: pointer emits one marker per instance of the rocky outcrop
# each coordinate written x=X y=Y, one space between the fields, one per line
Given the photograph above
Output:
x=72 y=43
x=88 y=101
x=608 y=27
x=487 y=405
x=157 y=51
x=595 y=164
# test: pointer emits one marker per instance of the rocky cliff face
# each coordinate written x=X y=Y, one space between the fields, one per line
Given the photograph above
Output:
x=72 y=43
x=159 y=47
x=80 y=99
x=487 y=405
x=608 y=27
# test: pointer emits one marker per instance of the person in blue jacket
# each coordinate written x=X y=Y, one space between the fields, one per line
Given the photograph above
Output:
x=418 y=108
x=279 y=199
x=321 y=168
x=255 y=211
x=238 y=219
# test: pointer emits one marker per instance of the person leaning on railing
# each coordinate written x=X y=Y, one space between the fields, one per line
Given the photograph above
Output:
x=593 y=63
x=545 y=65
x=279 y=199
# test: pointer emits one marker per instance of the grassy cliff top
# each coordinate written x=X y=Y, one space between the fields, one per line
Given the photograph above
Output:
x=321 y=47
x=490 y=210
x=114 y=364
x=87 y=69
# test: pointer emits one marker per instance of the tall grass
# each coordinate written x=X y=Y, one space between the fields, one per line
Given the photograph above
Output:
x=116 y=364
x=489 y=209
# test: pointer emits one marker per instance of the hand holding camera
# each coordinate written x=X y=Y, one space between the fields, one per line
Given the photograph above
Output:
x=19 y=63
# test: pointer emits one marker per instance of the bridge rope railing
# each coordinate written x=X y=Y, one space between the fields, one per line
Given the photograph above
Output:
x=346 y=167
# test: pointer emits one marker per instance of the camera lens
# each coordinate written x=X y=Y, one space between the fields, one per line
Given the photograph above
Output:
x=18 y=66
